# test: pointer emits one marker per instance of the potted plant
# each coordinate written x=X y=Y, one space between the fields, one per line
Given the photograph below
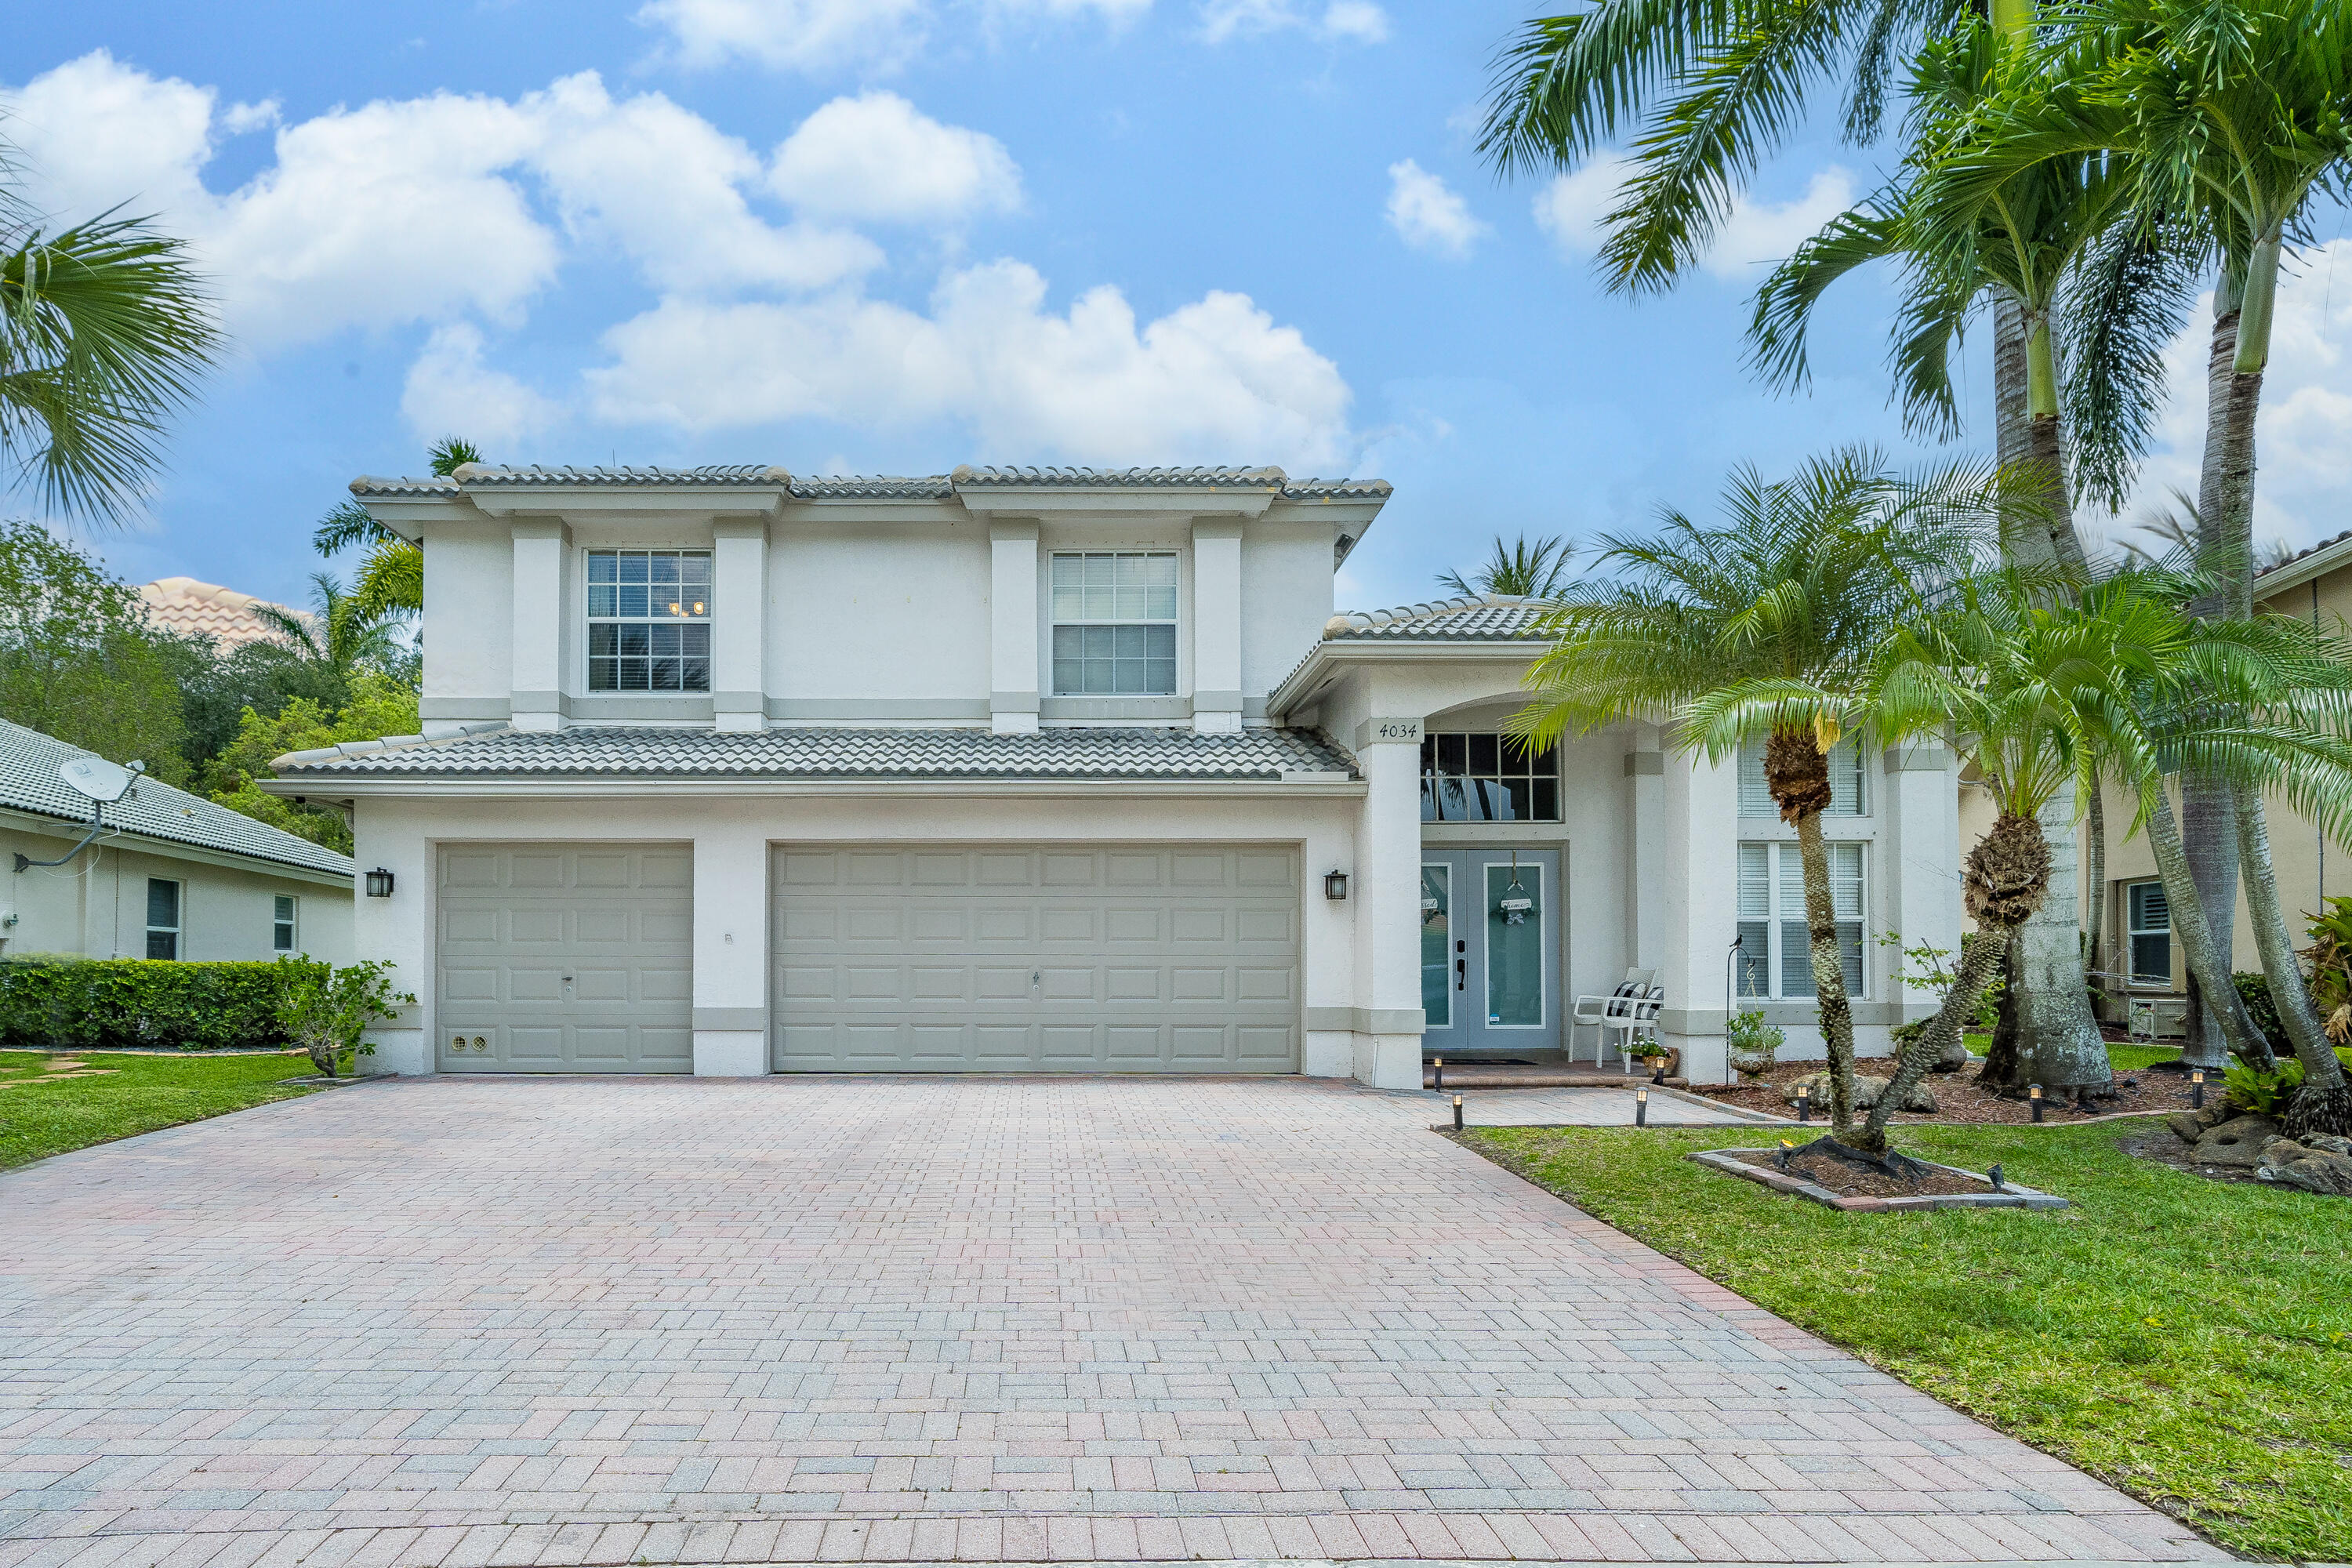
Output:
x=1753 y=1043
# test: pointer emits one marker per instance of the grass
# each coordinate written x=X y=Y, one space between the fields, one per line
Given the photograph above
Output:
x=2122 y=1059
x=125 y=1094
x=2189 y=1341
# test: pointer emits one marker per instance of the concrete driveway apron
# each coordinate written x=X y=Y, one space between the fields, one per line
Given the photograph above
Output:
x=484 y=1324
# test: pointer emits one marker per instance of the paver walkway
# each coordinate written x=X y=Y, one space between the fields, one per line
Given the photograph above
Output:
x=508 y=1322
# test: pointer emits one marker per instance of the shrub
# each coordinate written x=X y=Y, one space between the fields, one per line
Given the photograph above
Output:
x=2255 y=989
x=326 y=1010
x=2270 y=1093
x=101 y=1003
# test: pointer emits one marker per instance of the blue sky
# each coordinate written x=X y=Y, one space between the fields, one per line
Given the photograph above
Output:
x=900 y=235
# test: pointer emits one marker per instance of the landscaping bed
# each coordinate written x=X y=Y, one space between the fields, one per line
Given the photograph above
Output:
x=51 y=1102
x=2189 y=1341
x=1840 y=1184
x=1959 y=1099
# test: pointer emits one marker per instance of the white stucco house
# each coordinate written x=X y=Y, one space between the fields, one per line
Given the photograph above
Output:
x=731 y=771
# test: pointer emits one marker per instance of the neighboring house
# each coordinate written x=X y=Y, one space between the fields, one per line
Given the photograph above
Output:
x=170 y=874
x=207 y=609
x=731 y=771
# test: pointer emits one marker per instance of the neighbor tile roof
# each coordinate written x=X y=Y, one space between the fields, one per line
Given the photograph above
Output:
x=1262 y=754
x=1447 y=620
x=207 y=609
x=864 y=487
x=2303 y=554
x=29 y=782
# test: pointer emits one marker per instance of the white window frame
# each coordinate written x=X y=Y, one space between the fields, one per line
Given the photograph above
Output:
x=1173 y=620
x=590 y=620
x=178 y=930
x=290 y=923
x=1845 y=758
x=1784 y=883
x=2133 y=931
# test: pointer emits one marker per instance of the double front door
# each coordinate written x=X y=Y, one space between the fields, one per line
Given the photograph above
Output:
x=1490 y=950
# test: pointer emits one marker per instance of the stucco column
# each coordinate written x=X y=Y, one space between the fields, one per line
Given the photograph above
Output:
x=1923 y=839
x=1698 y=882
x=1645 y=817
x=538 y=622
x=397 y=930
x=730 y=950
x=1388 y=1019
x=1217 y=626
x=1013 y=625
x=738 y=576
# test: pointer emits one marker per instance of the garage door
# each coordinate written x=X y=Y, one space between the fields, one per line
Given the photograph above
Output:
x=1035 y=959
x=566 y=958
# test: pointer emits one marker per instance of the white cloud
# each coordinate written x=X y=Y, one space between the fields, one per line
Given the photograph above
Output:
x=665 y=185
x=1757 y=234
x=1212 y=381
x=450 y=391
x=1356 y=21
x=1428 y=216
x=790 y=34
x=2304 y=434
x=877 y=157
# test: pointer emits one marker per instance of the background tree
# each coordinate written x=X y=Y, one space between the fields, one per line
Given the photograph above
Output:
x=79 y=661
x=1763 y=628
x=338 y=641
x=105 y=328
x=1518 y=569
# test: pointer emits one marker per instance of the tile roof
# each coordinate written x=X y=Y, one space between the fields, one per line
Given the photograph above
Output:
x=2303 y=554
x=1447 y=620
x=29 y=782
x=599 y=753
x=207 y=609
x=864 y=487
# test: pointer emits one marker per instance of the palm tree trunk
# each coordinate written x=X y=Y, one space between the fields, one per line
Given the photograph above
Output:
x=2058 y=1044
x=2209 y=818
x=1829 y=971
x=2324 y=1104
x=2189 y=924
x=2095 y=882
x=1977 y=959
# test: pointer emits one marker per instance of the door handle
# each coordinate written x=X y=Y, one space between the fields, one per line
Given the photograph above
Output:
x=1461 y=974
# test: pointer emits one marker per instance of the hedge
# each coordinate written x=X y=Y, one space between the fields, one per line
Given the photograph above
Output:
x=98 y=1003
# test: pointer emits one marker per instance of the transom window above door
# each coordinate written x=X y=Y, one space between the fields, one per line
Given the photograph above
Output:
x=1483 y=776
x=1114 y=623
x=649 y=620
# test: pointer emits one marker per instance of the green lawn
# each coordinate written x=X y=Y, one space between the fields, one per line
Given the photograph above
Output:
x=2122 y=1059
x=2189 y=1341
x=124 y=1094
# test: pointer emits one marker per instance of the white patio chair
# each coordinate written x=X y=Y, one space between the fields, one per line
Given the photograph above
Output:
x=1636 y=1025
x=1596 y=1011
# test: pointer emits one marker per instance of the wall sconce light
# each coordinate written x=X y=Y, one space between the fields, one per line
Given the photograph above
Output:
x=1335 y=885
x=379 y=883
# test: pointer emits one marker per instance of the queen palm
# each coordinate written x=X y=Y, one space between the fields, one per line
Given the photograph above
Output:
x=339 y=638
x=1520 y=570
x=1762 y=627
x=104 y=328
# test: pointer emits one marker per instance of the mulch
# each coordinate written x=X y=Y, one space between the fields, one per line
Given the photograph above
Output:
x=1850 y=1181
x=1960 y=1099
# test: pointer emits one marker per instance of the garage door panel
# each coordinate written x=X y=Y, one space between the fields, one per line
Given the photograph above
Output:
x=1044 y=959
x=517 y=922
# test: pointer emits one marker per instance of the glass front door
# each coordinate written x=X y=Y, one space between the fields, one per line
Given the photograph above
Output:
x=1490 y=951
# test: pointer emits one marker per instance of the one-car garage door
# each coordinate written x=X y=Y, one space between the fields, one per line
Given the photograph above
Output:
x=566 y=958
x=1035 y=959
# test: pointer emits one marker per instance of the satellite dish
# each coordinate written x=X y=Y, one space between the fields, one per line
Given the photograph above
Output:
x=98 y=779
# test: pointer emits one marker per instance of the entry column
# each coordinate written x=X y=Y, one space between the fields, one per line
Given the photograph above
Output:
x=730 y=953
x=1388 y=1018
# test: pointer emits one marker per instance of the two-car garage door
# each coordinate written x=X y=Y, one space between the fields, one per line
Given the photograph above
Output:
x=1041 y=958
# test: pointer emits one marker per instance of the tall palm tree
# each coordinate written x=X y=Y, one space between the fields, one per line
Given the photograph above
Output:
x=1764 y=628
x=391 y=580
x=105 y=328
x=1518 y=569
x=338 y=638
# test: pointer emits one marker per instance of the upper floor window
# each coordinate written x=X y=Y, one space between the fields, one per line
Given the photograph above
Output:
x=1114 y=623
x=649 y=620
x=1845 y=782
x=1487 y=777
x=2147 y=921
x=162 y=918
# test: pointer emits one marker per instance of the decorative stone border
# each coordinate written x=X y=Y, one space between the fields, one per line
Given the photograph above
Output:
x=2014 y=1197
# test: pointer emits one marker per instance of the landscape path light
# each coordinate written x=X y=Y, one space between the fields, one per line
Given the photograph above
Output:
x=2033 y=1093
x=1457 y=1113
x=1641 y=1108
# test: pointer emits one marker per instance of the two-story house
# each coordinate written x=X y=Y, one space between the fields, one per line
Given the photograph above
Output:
x=731 y=771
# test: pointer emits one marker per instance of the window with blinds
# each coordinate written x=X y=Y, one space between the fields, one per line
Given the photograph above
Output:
x=1775 y=962
x=1845 y=782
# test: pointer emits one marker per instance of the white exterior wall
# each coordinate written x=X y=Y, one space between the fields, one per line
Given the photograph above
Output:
x=469 y=665
x=96 y=907
x=1287 y=568
x=881 y=623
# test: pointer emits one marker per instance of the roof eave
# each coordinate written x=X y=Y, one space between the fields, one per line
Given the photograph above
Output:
x=2328 y=558
x=329 y=786
x=1301 y=683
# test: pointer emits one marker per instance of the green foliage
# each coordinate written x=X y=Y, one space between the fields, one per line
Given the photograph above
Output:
x=2190 y=1341
x=77 y=660
x=1752 y=1042
x=1518 y=569
x=108 y=1096
x=326 y=1010
x=2270 y=1093
x=375 y=706
x=141 y=1004
x=2330 y=956
x=2255 y=988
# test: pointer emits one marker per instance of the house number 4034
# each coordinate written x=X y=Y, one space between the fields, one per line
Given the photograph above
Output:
x=1396 y=729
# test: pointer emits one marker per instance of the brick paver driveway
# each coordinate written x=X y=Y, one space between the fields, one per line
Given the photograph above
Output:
x=504 y=1323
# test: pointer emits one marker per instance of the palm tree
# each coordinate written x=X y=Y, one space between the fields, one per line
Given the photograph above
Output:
x=1516 y=570
x=104 y=328
x=338 y=638
x=1763 y=628
x=391 y=580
